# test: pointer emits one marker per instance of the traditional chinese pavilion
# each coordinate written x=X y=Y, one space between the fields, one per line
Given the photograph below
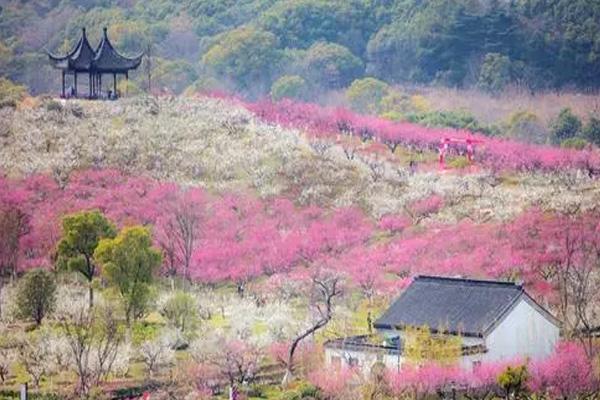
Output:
x=104 y=60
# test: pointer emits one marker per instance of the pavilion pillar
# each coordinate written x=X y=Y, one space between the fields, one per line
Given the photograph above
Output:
x=100 y=84
x=115 y=85
x=90 y=85
x=63 y=84
x=126 y=82
x=75 y=82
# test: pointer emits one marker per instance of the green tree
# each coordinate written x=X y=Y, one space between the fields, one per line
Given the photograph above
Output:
x=181 y=310
x=366 y=94
x=82 y=232
x=592 y=130
x=129 y=262
x=565 y=126
x=290 y=87
x=248 y=56
x=36 y=295
x=331 y=66
x=495 y=73
x=301 y=23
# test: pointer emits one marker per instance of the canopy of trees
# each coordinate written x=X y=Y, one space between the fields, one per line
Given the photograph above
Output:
x=539 y=44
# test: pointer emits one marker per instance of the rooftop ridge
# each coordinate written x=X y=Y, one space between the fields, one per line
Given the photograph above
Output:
x=489 y=282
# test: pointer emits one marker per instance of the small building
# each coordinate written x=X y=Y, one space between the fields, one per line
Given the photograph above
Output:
x=83 y=59
x=493 y=321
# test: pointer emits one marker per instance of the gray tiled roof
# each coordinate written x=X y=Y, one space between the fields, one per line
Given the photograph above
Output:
x=105 y=59
x=466 y=306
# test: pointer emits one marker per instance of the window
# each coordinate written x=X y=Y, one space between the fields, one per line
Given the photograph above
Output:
x=353 y=362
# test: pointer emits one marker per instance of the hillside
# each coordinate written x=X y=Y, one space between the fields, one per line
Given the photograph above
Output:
x=246 y=210
x=220 y=145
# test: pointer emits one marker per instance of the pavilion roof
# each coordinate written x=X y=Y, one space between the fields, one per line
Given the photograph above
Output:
x=79 y=58
x=108 y=59
x=83 y=58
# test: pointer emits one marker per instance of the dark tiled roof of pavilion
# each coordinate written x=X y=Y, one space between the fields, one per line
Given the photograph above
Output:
x=460 y=306
x=79 y=58
x=109 y=60
x=104 y=59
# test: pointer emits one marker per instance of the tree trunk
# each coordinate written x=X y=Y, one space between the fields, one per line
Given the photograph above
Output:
x=90 y=295
x=1 y=288
x=289 y=373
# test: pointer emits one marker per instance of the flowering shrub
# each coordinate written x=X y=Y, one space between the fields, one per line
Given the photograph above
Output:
x=494 y=153
x=421 y=381
x=567 y=374
x=333 y=382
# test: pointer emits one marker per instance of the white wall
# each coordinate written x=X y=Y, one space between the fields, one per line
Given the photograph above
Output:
x=365 y=359
x=523 y=333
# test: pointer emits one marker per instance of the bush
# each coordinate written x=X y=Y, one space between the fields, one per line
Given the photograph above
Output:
x=459 y=163
x=36 y=296
x=142 y=332
x=565 y=126
x=452 y=119
x=365 y=95
x=513 y=381
x=290 y=395
x=307 y=389
x=10 y=93
x=290 y=87
x=525 y=125
x=592 y=130
x=576 y=143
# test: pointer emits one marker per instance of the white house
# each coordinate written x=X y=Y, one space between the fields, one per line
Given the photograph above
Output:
x=494 y=321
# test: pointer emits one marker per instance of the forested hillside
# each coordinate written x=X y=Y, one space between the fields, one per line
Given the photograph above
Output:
x=246 y=46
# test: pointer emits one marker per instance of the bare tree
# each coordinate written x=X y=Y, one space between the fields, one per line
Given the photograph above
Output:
x=181 y=231
x=7 y=358
x=13 y=224
x=326 y=287
x=234 y=360
x=34 y=356
x=155 y=354
x=94 y=339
